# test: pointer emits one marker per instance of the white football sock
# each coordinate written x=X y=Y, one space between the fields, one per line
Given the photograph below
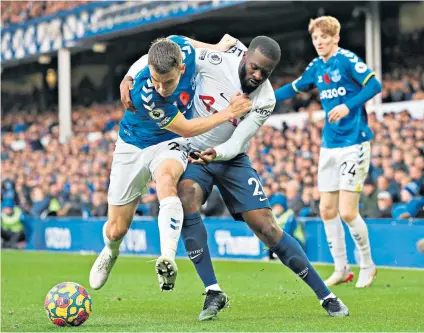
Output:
x=329 y=296
x=170 y=222
x=112 y=245
x=359 y=231
x=214 y=287
x=336 y=241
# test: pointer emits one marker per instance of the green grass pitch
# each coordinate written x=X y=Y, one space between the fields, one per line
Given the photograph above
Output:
x=265 y=297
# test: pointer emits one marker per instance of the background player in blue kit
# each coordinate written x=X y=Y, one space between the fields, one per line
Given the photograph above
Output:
x=345 y=83
x=150 y=146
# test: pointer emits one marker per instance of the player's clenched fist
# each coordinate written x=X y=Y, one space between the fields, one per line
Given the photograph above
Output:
x=203 y=158
x=240 y=104
x=226 y=43
x=125 y=88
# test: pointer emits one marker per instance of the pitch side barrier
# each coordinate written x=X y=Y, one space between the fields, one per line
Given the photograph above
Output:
x=394 y=243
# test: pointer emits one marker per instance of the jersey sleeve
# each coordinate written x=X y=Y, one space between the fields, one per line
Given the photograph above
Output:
x=137 y=66
x=207 y=59
x=356 y=68
x=238 y=49
x=238 y=141
x=307 y=80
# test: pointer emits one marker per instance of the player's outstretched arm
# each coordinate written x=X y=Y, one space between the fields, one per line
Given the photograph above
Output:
x=285 y=92
x=238 y=107
x=305 y=82
x=224 y=44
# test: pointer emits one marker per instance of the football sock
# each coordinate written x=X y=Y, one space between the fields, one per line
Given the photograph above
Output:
x=112 y=245
x=170 y=222
x=214 y=287
x=336 y=242
x=359 y=231
x=196 y=244
x=292 y=255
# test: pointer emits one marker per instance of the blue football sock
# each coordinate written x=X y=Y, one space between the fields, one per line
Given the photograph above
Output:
x=196 y=244
x=292 y=255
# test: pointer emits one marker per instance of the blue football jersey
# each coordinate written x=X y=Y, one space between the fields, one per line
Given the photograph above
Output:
x=147 y=126
x=338 y=80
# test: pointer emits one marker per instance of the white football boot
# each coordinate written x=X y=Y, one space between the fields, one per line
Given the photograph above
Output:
x=167 y=270
x=366 y=277
x=101 y=268
x=339 y=277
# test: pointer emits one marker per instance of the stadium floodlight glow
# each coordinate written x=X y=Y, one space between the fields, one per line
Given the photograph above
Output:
x=44 y=59
x=99 y=47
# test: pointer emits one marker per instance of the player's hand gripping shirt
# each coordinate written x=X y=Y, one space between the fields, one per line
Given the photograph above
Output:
x=218 y=80
x=147 y=126
x=338 y=80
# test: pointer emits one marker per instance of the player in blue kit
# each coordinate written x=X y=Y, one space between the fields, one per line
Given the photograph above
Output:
x=345 y=83
x=152 y=144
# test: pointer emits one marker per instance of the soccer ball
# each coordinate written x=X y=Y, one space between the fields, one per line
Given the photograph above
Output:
x=68 y=304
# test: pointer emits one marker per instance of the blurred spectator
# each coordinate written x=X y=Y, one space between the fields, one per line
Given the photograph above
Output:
x=294 y=199
x=12 y=229
x=409 y=192
x=100 y=204
x=384 y=204
x=368 y=200
x=40 y=202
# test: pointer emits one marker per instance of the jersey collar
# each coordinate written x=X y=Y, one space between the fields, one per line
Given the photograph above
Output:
x=331 y=58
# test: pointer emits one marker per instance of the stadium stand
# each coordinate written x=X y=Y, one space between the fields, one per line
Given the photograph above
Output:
x=71 y=179
x=15 y=12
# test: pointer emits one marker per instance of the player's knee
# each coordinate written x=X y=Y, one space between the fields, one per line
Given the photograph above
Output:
x=117 y=228
x=187 y=195
x=328 y=212
x=348 y=215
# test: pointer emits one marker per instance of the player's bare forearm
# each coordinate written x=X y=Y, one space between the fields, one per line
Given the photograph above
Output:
x=125 y=87
x=189 y=128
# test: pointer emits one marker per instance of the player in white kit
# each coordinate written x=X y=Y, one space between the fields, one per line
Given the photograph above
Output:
x=220 y=75
x=222 y=161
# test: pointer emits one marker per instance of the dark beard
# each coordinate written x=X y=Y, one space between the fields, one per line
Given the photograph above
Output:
x=242 y=76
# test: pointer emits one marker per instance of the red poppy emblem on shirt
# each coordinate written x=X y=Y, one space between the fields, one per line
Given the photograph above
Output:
x=327 y=78
x=184 y=97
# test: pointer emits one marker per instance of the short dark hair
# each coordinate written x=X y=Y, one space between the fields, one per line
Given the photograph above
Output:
x=164 y=55
x=267 y=46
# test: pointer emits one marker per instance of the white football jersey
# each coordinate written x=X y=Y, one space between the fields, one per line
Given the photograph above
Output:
x=218 y=80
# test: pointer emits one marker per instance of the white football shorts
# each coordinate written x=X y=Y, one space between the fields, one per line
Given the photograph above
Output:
x=344 y=168
x=133 y=168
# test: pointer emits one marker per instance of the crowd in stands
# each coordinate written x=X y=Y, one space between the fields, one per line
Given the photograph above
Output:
x=45 y=177
x=14 y=12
